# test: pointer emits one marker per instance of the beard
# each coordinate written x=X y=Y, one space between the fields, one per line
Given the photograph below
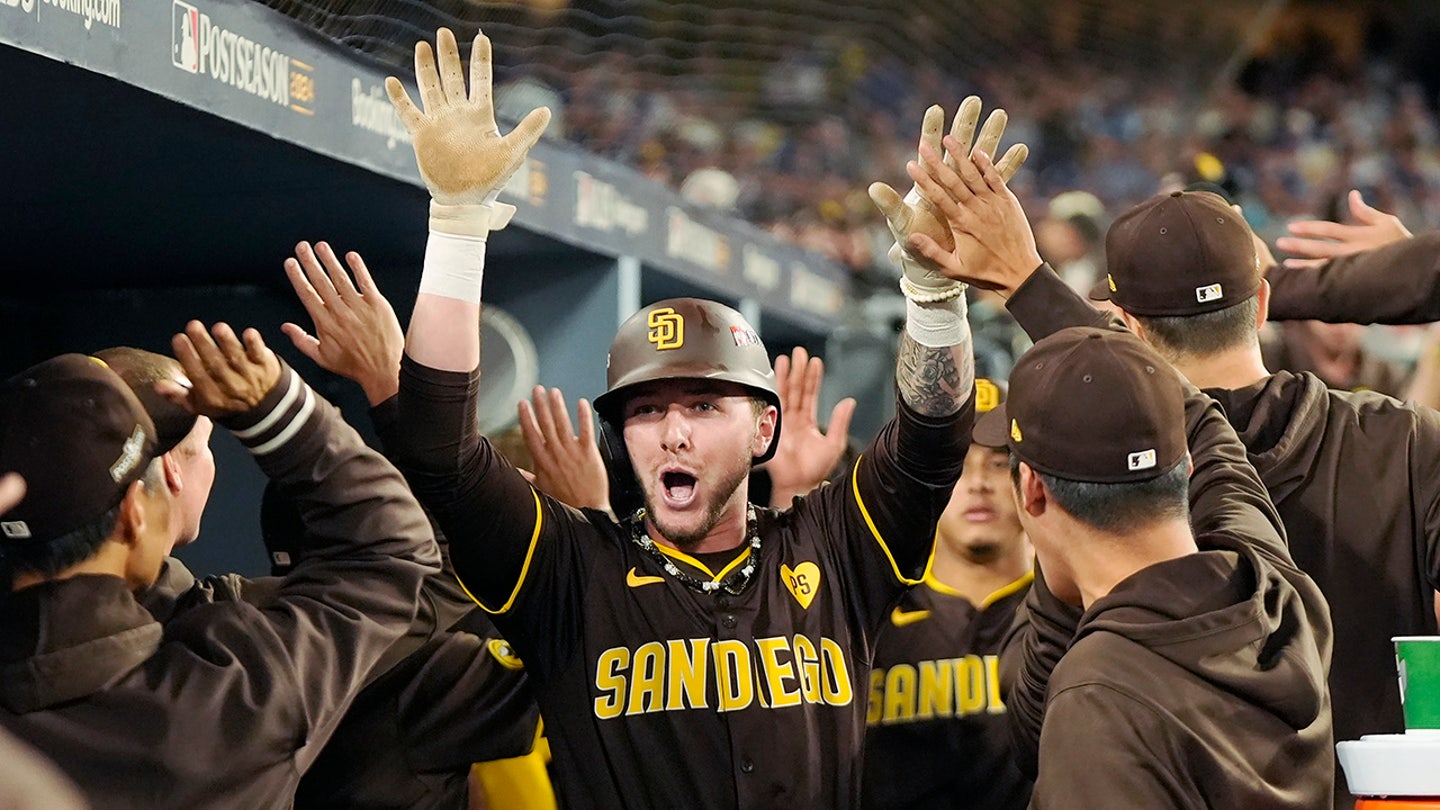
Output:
x=714 y=509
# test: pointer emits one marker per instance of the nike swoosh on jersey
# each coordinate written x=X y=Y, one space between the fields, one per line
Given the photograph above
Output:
x=635 y=580
x=900 y=618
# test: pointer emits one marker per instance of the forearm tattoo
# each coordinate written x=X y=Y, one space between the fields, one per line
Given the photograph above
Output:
x=935 y=382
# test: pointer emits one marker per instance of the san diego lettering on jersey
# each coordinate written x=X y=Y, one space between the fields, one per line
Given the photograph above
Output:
x=928 y=690
x=724 y=675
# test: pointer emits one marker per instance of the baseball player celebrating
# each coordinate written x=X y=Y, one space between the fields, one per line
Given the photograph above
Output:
x=677 y=652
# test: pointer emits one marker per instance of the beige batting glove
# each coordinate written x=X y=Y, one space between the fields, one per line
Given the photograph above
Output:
x=462 y=156
x=922 y=280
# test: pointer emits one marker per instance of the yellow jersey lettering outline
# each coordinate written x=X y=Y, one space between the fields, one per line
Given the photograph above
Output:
x=765 y=674
x=936 y=689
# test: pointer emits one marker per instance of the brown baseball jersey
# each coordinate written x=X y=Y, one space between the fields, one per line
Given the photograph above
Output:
x=937 y=734
x=658 y=694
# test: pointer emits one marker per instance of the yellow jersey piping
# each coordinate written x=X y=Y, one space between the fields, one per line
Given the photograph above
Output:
x=865 y=513
x=694 y=563
x=524 y=569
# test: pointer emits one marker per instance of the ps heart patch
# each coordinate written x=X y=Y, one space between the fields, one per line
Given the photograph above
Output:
x=803 y=581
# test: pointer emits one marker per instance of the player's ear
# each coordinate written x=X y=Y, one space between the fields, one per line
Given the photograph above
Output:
x=1033 y=496
x=765 y=430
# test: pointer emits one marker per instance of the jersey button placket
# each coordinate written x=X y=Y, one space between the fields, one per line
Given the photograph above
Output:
x=747 y=766
x=728 y=621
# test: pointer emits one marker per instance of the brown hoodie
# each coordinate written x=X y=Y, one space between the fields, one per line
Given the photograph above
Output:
x=1199 y=682
x=230 y=702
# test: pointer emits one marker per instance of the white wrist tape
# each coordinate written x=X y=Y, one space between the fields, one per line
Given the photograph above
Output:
x=937 y=325
x=454 y=266
x=470 y=220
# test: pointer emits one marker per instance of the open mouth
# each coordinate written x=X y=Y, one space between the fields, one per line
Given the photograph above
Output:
x=679 y=487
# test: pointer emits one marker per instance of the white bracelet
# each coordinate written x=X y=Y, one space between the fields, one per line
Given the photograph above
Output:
x=454 y=266
x=920 y=295
x=939 y=324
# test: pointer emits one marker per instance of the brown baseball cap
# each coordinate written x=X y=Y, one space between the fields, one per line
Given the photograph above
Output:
x=79 y=436
x=1096 y=405
x=1183 y=253
x=991 y=423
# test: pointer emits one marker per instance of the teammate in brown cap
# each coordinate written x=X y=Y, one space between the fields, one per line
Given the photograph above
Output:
x=700 y=652
x=434 y=703
x=1355 y=476
x=224 y=706
x=1196 y=675
x=937 y=732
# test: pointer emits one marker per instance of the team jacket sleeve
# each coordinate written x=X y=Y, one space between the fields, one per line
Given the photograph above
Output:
x=1042 y=631
x=367 y=548
x=1044 y=305
x=1226 y=494
x=1398 y=283
x=1105 y=749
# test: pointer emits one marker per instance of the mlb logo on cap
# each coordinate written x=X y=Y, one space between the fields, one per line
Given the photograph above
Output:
x=1143 y=460
x=1212 y=292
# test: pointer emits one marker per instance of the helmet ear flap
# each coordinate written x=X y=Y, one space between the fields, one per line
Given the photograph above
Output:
x=625 y=494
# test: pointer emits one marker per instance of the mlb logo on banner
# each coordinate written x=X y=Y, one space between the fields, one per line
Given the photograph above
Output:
x=1209 y=293
x=185 y=37
x=1143 y=460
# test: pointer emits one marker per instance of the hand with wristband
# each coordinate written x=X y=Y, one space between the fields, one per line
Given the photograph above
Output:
x=463 y=159
x=923 y=280
x=462 y=156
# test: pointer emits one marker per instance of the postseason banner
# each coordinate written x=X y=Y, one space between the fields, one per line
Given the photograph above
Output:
x=246 y=63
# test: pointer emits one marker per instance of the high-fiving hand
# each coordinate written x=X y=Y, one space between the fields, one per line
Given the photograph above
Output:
x=462 y=156
x=1316 y=241
x=993 y=245
x=356 y=332
x=914 y=214
x=228 y=375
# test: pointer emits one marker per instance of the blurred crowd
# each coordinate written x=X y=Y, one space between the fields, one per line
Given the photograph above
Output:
x=819 y=125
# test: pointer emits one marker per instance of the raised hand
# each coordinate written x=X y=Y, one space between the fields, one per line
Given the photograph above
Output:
x=568 y=467
x=1316 y=241
x=462 y=156
x=228 y=376
x=923 y=279
x=993 y=246
x=356 y=332
x=806 y=455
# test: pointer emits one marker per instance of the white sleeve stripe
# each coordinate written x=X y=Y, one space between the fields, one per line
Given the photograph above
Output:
x=274 y=416
x=291 y=429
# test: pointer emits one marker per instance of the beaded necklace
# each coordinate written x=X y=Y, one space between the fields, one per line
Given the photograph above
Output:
x=733 y=584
